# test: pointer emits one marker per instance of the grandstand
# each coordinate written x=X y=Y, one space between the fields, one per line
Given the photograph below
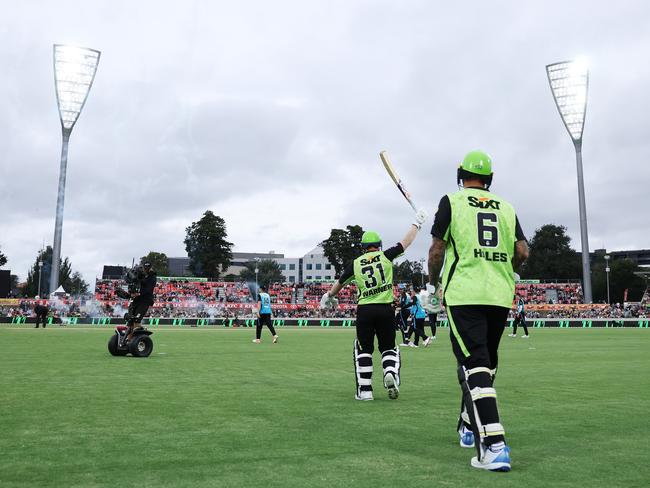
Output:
x=291 y=299
x=198 y=298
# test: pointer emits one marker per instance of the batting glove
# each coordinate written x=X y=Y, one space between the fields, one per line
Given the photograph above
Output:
x=420 y=218
x=324 y=300
x=431 y=302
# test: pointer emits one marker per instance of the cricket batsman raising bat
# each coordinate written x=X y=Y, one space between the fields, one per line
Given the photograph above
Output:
x=430 y=299
x=372 y=272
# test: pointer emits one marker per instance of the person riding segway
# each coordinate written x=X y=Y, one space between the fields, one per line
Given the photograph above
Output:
x=132 y=337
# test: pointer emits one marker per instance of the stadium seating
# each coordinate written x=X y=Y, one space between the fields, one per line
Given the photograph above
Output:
x=310 y=293
x=179 y=298
x=552 y=293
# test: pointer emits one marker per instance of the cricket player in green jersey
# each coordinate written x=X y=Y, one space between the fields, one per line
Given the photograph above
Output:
x=478 y=236
x=373 y=274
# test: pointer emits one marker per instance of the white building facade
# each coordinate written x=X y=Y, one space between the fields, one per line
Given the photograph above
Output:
x=291 y=269
x=316 y=267
x=312 y=267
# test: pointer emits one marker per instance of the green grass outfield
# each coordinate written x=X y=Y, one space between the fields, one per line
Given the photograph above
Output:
x=211 y=409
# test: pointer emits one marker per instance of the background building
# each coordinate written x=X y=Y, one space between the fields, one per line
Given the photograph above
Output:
x=179 y=266
x=316 y=267
x=239 y=260
x=291 y=269
x=311 y=267
x=113 y=272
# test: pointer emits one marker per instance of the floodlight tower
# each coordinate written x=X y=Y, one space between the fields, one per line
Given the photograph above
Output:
x=257 y=269
x=607 y=256
x=569 y=82
x=74 y=73
x=422 y=273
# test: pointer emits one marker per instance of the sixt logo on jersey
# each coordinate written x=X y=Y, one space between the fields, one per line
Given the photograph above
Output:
x=365 y=261
x=483 y=202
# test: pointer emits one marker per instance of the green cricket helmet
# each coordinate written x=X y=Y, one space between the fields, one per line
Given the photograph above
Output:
x=370 y=239
x=476 y=163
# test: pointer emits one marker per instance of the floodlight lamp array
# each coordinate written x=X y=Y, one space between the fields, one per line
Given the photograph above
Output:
x=74 y=72
x=569 y=82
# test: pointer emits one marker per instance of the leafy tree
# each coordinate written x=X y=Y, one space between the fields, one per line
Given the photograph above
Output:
x=409 y=272
x=621 y=277
x=343 y=246
x=206 y=245
x=78 y=285
x=3 y=259
x=65 y=274
x=268 y=272
x=159 y=262
x=551 y=256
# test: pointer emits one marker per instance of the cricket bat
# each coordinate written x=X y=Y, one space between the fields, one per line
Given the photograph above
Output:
x=396 y=179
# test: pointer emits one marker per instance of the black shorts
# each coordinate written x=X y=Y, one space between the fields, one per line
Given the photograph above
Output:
x=375 y=320
x=476 y=333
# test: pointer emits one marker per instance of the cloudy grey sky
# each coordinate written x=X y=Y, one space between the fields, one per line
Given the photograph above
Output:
x=272 y=114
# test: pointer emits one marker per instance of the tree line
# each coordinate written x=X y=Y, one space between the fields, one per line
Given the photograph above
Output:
x=210 y=253
x=551 y=258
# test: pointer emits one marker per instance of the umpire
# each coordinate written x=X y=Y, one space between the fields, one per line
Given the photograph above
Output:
x=479 y=236
x=41 y=312
x=373 y=274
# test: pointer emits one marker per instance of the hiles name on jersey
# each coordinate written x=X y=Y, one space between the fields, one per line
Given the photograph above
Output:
x=487 y=203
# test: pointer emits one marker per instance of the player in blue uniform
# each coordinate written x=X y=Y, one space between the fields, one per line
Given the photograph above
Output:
x=419 y=314
x=264 y=315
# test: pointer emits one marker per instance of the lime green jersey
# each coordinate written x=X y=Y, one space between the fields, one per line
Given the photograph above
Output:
x=373 y=274
x=480 y=246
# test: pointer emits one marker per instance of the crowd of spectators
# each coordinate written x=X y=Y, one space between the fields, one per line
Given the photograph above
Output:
x=615 y=311
x=180 y=292
x=204 y=299
x=58 y=308
x=550 y=293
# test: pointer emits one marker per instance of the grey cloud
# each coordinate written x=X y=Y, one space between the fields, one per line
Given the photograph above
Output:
x=281 y=110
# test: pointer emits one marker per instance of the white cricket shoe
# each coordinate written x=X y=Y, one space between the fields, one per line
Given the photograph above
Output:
x=512 y=335
x=364 y=396
x=256 y=341
x=427 y=341
x=404 y=344
x=275 y=339
x=466 y=437
x=495 y=458
x=391 y=385
x=412 y=345
x=525 y=336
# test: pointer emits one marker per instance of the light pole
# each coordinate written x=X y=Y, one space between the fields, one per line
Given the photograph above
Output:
x=74 y=72
x=569 y=82
x=607 y=274
x=40 y=270
x=257 y=261
x=422 y=273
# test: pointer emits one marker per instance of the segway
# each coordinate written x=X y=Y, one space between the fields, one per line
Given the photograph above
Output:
x=140 y=345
